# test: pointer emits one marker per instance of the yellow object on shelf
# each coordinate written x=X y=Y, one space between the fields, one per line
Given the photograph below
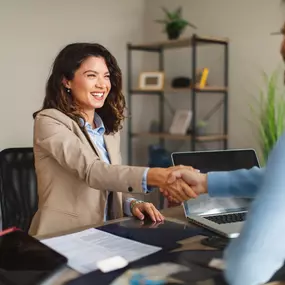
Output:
x=204 y=77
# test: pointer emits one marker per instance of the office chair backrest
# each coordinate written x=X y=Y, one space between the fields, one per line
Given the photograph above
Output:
x=18 y=187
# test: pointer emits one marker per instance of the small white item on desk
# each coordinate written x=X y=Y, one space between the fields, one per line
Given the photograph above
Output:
x=112 y=263
x=217 y=263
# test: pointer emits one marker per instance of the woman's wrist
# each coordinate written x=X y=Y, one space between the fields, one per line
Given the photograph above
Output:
x=156 y=176
x=134 y=203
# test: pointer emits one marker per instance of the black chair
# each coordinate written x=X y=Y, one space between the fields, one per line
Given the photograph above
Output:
x=18 y=187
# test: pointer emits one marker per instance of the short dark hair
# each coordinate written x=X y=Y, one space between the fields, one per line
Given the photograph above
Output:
x=65 y=65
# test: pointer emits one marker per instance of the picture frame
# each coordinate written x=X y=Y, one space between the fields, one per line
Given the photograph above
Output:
x=152 y=80
x=181 y=122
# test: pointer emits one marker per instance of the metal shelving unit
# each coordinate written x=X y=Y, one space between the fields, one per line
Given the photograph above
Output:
x=158 y=47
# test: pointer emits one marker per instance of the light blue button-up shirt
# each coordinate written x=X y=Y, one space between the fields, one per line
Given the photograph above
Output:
x=259 y=251
x=97 y=137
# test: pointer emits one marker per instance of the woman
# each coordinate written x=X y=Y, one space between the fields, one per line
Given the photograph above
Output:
x=77 y=147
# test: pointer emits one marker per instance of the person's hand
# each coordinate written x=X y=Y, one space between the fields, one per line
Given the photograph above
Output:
x=140 y=209
x=174 y=176
x=196 y=180
x=178 y=189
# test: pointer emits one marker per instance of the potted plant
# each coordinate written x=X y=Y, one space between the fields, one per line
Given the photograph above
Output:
x=270 y=114
x=174 y=23
x=201 y=127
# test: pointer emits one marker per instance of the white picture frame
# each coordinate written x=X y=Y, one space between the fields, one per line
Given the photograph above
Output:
x=152 y=80
x=181 y=122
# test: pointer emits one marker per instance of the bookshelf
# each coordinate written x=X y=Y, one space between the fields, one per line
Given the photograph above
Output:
x=193 y=43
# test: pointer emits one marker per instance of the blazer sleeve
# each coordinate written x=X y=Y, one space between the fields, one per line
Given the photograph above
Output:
x=62 y=144
x=238 y=183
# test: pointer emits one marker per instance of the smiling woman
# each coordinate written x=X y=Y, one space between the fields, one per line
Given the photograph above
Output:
x=77 y=147
x=83 y=76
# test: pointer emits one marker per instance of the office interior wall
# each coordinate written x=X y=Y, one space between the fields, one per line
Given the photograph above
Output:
x=33 y=32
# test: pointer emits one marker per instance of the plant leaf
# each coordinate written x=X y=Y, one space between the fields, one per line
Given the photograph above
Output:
x=178 y=12
x=168 y=14
x=192 y=25
x=270 y=114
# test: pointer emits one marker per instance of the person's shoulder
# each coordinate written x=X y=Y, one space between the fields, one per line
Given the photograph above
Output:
x=53 y=114
x=54 y=117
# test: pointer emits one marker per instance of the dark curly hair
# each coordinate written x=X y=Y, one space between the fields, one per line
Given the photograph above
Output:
x=66 y=63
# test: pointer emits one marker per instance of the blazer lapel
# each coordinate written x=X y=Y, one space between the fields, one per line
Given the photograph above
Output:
x=112 y=149
x=95 y=148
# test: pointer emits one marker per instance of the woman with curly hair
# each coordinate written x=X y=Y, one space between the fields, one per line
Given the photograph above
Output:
x=77 y=147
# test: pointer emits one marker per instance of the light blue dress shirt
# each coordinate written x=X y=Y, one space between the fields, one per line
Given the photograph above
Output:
x=259 y=251
x=97 y=137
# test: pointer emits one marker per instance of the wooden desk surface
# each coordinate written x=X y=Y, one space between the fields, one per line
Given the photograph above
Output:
x=172 y=214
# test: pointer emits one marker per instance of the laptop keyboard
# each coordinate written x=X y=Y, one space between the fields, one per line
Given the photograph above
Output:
x=227 y=218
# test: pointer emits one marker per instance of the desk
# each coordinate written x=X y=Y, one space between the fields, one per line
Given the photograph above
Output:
x=175 y=214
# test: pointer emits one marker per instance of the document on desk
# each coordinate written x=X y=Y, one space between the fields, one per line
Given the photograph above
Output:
x=84 y=249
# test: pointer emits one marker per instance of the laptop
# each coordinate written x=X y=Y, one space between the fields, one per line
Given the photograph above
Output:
x=224 y=216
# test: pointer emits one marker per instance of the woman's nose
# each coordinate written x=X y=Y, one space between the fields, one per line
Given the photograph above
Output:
x=100 y=83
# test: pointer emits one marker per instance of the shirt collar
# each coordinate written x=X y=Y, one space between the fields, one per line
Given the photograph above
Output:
x=99 y=124
x=100 y=128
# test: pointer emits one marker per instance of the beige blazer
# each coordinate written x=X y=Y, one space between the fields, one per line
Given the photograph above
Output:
x=72 y=177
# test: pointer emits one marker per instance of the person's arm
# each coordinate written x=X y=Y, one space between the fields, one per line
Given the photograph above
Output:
x=127 y=200
x=54 y=134
x=238 y=183
x=259 y=251
x=62 y=144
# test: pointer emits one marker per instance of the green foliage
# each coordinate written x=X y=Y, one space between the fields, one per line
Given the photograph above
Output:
x=270 y=114
x=174 y=23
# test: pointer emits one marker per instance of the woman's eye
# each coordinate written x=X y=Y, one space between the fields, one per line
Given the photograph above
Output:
x=91 y=75
x=107 y=76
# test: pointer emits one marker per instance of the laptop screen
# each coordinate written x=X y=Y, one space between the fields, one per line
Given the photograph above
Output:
x=220 y=160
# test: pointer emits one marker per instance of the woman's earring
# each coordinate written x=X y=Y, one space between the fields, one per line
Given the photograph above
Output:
x=68 y=90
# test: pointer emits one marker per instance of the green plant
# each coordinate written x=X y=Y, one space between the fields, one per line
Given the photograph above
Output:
x=270 y=114
x=174 y=23
x=202 y=124
x=201 y=127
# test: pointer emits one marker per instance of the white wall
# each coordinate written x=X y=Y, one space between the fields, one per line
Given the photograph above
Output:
x=248 y=25
x=33 y=32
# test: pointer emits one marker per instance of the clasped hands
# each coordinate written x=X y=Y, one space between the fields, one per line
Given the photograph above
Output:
x=177 y=183
x=183 y=183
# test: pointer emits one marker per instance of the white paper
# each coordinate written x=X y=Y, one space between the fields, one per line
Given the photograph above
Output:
x=84 y=249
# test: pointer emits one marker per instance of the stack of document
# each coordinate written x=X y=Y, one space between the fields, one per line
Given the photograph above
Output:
x=86 y=248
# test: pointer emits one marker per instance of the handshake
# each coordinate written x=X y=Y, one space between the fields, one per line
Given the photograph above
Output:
x=179 y=183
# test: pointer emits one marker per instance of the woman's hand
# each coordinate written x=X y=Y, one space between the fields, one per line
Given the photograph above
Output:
x=139 y=209
x=178 y=189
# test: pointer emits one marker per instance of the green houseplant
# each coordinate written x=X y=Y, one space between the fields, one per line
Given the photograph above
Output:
x=201 y=127
x=270 y=114
x=174 y=23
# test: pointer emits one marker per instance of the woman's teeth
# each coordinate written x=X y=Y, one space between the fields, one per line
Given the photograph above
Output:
x=97 y=94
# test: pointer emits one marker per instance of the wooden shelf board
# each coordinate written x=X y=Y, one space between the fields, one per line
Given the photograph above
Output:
x=182 y=42
x=198 y=89
x=177 y=90
x=214 y=137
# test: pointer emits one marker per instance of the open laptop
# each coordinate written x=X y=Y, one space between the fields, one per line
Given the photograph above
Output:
x=224 y=216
